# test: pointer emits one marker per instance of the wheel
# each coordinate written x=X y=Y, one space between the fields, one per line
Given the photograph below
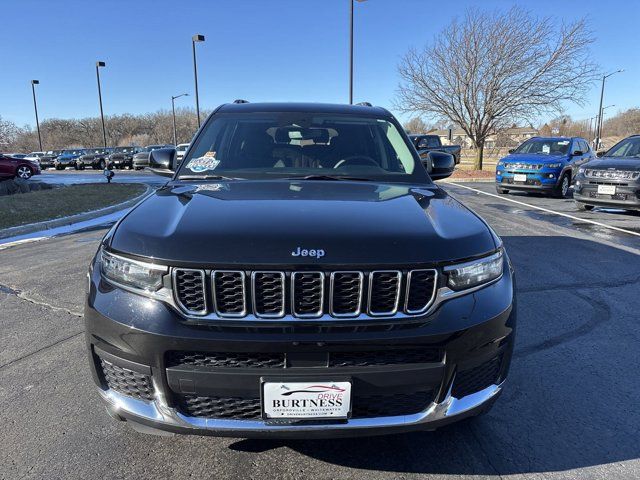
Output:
x=584 y=207
x=59 y=167
x=75 y=167
x=501 y=191
x=562 y=190
x=24 y=172
x=102 y=165
x=81 y=166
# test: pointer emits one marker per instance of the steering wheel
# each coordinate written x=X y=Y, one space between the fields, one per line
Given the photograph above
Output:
x=356 y=160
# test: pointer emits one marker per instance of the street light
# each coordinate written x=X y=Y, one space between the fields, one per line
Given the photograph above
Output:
x=104 y=132
x=602 y=117
x=173 y=110
x=35 y=107
x=351 y=52
x=194 y=39
x=599 y=123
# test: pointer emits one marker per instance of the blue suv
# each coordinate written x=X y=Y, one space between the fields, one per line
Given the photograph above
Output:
x=543 y=164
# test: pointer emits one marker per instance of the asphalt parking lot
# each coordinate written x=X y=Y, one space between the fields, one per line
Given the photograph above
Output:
x=568 y=410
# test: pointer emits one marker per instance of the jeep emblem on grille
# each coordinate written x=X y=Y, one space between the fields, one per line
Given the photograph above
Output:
x=303 y=252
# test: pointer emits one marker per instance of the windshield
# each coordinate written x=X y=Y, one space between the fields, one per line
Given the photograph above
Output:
x=629 y=147
x=299 y=144
x=544 y=146
x=124 y=149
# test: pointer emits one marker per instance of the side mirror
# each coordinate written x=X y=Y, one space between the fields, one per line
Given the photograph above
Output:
x=600 y=153
x=163 y=161
x=578 y=153
x=439 y=165
x=511 y=150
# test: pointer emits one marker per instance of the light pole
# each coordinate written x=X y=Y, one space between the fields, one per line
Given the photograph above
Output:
x=104 y=132
x=351 y=52
x=173 y=111
x=599 y=122
x=194 y=39
x=35 y=107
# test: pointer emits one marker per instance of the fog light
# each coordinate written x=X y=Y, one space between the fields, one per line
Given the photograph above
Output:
x=551 y=175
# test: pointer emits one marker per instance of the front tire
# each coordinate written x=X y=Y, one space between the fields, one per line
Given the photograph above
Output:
x=562 y=190
x=102 y=165
x=24 y=172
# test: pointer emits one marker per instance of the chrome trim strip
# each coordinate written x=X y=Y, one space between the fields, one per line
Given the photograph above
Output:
x=203 y=276
x=159 y=412
x=356 y=312
x=244 y=294
x=398 y=288
x=281 y=313
x=293 y=295
x=433 y=293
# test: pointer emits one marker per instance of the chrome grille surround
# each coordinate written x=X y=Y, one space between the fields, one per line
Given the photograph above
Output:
x=333 y=291
x=331 y=295
x=270 y=293
x=222 y=304
x=175 y=279
x=391 y=274
x=407 y=298
x=297 y=301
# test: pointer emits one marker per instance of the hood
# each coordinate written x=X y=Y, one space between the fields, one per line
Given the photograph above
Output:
x=534 y=158
x=263 y=222
x=617 y=163
x=141 y=155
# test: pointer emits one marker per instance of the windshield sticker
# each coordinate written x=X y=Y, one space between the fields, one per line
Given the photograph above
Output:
x=546 y=149
x=202 y=164
x=564 y=142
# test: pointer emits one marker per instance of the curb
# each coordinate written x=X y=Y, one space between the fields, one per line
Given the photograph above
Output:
x=462 y=180
x=71 y=219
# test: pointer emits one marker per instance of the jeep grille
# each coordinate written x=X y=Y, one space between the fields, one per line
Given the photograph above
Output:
x=303 y=294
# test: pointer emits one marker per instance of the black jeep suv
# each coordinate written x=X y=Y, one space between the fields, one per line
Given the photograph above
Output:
x=300 y=275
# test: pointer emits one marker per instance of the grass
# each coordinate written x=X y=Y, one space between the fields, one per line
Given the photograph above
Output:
x=38 y=206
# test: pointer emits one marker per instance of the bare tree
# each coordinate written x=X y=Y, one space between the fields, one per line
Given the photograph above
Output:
x=490 y=70
x=416 y=125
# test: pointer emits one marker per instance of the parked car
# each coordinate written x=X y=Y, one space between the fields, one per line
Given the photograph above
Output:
x=11 y=167
x=543 y=164
x=141 y=159
x=122 y=157
x=16 y=155
x=612 y=180
x=95 y=158
x=48 y=159
x=34 y=156
x=68 y=158
x=432 y=143
x=181 y=149
x=301 y=275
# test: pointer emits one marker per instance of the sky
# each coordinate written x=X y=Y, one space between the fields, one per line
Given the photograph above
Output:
x=259 y=50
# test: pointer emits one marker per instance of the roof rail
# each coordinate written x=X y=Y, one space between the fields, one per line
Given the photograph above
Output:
x=239 y=100
x=364 y=104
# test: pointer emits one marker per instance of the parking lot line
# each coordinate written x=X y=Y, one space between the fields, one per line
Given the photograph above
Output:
x=548 y=210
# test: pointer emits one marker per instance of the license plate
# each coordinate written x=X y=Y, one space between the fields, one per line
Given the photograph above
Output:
x=519 y=177
x=607 y=189
x=306 y=400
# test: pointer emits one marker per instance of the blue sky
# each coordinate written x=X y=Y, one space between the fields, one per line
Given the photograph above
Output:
x=260 y=50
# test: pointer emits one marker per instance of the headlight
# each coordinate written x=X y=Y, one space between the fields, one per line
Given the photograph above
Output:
x=140 y=275
x=477 y=272
x=501 y=163
x=581 y=170
x=553 y=165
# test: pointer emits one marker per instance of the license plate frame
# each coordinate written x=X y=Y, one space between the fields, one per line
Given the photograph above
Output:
x=270 y=387
x=606 y=189
x=520 y=177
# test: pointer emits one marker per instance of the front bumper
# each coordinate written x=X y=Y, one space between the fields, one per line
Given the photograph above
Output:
x=138 y=334
x=537 y=180
x=627 y=194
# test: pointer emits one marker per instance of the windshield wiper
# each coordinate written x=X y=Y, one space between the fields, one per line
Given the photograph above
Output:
x=207 y=177
x=329 y=178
